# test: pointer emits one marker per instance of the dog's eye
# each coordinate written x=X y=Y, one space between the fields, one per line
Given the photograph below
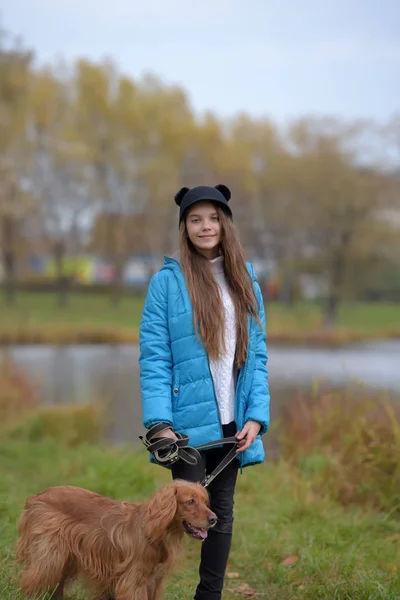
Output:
x=191 y=501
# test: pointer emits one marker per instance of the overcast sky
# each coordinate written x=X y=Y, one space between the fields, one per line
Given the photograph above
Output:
x=279 y=58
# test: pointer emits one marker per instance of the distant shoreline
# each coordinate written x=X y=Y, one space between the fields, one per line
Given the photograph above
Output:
x=76 y=335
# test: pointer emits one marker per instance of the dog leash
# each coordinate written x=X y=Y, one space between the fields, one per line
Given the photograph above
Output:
x=166 y=451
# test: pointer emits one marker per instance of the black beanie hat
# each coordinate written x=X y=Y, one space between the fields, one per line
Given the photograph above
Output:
x=187 y=197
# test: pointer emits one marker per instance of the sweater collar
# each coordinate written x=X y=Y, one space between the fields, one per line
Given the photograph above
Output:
x=217 y=264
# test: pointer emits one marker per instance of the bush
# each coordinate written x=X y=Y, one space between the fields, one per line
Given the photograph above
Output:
x=17 y=394
x=70 y=425
x=22 y=417
x=349 y=445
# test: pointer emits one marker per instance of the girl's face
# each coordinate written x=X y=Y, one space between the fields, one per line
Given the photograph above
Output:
x=203 y=228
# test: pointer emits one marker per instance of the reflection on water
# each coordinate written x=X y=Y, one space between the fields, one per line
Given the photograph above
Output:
x=79 y=373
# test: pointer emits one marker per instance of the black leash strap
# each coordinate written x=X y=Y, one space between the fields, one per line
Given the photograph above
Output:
x=167 y=451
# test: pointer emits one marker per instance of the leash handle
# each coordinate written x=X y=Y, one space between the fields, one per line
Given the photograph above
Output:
x=167 y=451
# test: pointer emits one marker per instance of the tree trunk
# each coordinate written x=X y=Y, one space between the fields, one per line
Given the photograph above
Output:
x=331 y=310
x=8 y=228
x=62 y=281
x=336 y=280
x=117 y=283
x=9 y=278
x=287 y=291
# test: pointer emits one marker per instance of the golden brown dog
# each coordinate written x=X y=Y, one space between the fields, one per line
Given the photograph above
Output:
x=120 y=550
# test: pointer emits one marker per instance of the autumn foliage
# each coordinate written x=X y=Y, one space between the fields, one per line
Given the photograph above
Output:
x=347 y=443
x=90 y=160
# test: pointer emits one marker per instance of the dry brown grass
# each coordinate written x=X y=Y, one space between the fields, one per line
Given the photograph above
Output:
x=65 y=334
x=70 y=425
x=62 y=335
x=348 y=443
x=23 y=417
x=17 y=394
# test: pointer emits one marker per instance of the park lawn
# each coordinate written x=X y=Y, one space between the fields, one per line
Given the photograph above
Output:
x=288 y=544
x=38 y=317
x=82 y=310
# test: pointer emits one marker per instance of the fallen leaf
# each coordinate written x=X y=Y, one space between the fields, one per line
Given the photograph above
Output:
x=290 y=560
x=245 y=590
x=232 y=575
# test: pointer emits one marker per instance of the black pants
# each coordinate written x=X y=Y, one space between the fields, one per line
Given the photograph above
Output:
x=215 y=548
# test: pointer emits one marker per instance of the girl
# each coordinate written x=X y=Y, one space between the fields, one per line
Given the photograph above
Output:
x=203 y=359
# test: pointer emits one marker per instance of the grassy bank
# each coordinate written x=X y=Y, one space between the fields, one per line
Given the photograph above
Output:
x=88 y=318
x=321 y=523
x=288 y=543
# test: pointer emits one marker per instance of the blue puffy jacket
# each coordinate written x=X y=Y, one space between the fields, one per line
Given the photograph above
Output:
x=175 y=376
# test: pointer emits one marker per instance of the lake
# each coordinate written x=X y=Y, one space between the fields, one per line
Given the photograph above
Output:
x=101 y=372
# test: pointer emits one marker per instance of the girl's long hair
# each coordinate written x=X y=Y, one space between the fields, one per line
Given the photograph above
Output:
x=208 y=310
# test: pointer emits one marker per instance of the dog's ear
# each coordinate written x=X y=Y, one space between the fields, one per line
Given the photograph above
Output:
x=161 y=511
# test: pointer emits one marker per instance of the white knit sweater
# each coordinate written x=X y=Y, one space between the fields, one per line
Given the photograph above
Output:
x=223 y=370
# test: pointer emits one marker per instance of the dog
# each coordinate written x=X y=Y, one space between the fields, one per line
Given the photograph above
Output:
x=119 y=550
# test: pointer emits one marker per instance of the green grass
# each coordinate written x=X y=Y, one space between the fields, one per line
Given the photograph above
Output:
x=37 y=317
x=289 y=543
x=369 y=318
x=82 y=309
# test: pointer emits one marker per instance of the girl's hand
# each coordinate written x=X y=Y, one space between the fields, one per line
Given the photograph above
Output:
x=247 y=436
x=168 y=433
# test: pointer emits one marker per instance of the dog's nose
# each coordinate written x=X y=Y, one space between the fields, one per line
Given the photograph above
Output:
x=212 y=519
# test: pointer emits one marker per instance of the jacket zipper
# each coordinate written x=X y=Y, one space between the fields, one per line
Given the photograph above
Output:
x=242 y=382
x=215 y=397
x=237 y=406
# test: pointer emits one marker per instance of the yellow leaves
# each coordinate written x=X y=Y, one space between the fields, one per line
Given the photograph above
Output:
x=45 y=99
x=94 y=84
x=131 y=143
x=14 y=93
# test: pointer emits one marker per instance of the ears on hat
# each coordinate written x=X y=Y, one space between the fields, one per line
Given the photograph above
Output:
x=180 y=195
x=225 y=191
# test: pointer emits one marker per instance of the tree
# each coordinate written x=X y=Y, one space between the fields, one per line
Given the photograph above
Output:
x=58 y=173
x=107 y=117
x=345 y=203
x=94 y=151
x=15 y=64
